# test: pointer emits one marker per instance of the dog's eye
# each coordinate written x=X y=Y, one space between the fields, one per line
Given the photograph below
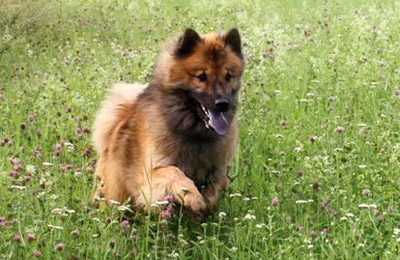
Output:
x=202 y=77
x=228 y=77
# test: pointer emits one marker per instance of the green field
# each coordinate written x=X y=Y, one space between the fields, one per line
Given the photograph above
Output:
x=317 y=172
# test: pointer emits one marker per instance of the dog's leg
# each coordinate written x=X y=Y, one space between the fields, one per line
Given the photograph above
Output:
x=212 y=191
x=111 y=175
x=170 y=180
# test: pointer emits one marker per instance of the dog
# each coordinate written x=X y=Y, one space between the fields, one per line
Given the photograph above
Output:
x=178 y=135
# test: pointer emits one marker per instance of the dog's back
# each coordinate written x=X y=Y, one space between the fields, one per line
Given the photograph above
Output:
x=120 y=98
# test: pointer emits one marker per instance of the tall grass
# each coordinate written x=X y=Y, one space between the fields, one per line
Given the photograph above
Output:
x=316 y=175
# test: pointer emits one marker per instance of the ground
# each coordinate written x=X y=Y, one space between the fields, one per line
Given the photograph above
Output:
x=316 y=174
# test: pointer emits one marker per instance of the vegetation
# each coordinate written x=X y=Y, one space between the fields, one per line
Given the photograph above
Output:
x=317 y=170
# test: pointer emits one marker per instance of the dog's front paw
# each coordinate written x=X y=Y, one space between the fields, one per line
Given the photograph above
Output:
x=194 y=201
x=189 y=196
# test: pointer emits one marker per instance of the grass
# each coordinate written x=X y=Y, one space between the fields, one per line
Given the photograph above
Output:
x=317 y=170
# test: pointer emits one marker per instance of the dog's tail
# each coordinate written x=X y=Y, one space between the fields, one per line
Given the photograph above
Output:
x=122 y=95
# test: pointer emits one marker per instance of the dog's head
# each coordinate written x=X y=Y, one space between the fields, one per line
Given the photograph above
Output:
x=208 y=69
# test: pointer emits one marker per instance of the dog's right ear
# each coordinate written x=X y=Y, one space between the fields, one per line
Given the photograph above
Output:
x=186 y=43
x=232 y=39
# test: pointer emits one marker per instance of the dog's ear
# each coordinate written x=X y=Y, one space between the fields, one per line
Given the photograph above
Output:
x=232 y=39
x=186 y=43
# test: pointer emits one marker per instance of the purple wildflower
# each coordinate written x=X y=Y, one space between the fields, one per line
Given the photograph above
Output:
x=312 y=138
x=86 y=129
x=30 y=237
x=166 y=213
x=75 y=233
x=125 y=223
x=274 y=202
x=134 y=233
x=59 y=246
x=339 y=129
x=86 y=152
x=169 y=198
x=17 y=238
x=388 y=209
x=366 y=192
x=37 y=253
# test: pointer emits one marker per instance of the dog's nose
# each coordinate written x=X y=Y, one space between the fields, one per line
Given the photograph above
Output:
x=222 y=104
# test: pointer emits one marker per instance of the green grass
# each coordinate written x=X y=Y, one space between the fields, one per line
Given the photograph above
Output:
x=312 y=66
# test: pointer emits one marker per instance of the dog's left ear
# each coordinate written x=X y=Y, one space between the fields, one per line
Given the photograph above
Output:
x=232 y=39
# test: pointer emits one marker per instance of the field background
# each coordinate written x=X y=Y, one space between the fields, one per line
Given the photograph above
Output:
x=317 y=171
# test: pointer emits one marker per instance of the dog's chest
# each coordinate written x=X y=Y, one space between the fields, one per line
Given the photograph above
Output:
x=199 y=161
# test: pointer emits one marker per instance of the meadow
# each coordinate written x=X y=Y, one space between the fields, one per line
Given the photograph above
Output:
x=316 y=174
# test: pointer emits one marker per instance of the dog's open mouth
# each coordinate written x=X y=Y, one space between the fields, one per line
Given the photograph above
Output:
x=215 y=120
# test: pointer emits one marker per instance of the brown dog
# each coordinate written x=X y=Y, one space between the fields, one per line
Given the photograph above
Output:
x=178 y=135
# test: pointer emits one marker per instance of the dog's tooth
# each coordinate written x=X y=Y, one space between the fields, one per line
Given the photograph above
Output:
x=204 y=109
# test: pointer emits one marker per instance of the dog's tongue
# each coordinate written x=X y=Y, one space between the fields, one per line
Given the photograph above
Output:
x=218 y=122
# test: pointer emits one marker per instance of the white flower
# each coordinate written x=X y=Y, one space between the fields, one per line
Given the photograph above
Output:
x=47 y=164
x=301 y=201
x=56 y=211
x=160 y=203
x=235 y=195
x=30 y=169
x=99 y=199
x=18 y=187
x=249 y=217
x=70 y=211
x=63 y=211
x=124 y=208
x=70 y=146
x=396 y=231
x=222 y=214
x=55 y=227
x=261 y=225
x=297 y=149
x=233 y=249
x=367 y=206
x=174 y=254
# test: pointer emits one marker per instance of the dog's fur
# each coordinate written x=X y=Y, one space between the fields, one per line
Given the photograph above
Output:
x=169 y=138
